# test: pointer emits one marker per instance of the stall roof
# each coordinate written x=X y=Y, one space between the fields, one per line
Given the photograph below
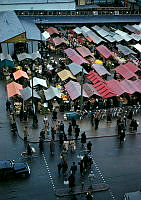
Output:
x=96 y=28
x=35 y=55
x=19 y=73
x=100 y=69
x=77 y=30
x=102 y=32
x=125 y=72
x=117 y=37
x=65 y=74
x=32 y=31
x=110 y=38
x=100 y=85
x=5 y=57
x=121 y=33
x=89 y=89
x=135 y=36
x=27 y=93
x=52 y=30
x=13 y=89
x=137 y=84
x=57 y=41
x=126 y=37
x=52 y=92
x=75 y=68
x=38 y=81
x=125 y=50
x=84 y=51
x=115 y=86
x=128 y=86
x=131 y=29
x=23 y=56
x=104 y=51
x=46 y=35
x=132 y=67
x=75 y=57
x=74 y=90
x=85 y=29
x=138 y=47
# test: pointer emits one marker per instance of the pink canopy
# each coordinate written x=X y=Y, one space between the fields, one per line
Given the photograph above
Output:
x=75 y=57
x=132 y=67
x=52 y=30
x=125 y=71
x=57 y=41
x=128 y=86
x=104 y=51
x=115 y=86
x=74 y=90
x=84 y=51
x=100 y=69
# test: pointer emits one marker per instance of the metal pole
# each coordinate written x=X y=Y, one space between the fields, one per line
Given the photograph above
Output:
x=81 y=97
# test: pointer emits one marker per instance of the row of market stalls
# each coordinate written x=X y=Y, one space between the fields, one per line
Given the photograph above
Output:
x=94 y=66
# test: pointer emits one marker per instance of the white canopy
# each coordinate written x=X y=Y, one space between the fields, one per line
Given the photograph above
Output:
x=46 y=35
x=52 y=92
x=77 y=30
x=23 y=56
x=138 y=47
x=38 y=81
x=27 y=93
x=35 y=55
x=5 y=57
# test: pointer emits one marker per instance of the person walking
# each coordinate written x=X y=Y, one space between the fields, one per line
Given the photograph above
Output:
x=25 y=133
x=122 y=136
x=83 y=138
x=61 y=128
x=64 y=167
x=59 y=168
x=71 y=180
x=77 y=131
x=73 y=122
x=52 y=147
x=70 y=130
x=54 y=115
x=81 y=163
x=73 y=168
x=89 y=146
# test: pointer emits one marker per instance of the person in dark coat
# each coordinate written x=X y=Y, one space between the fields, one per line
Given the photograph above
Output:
x=89 y=146
x=54 y=115
x=73 y=168
x=70 y=129
x=8 y=105
x=64 y=167
x=77 y=131
x=122 y=136
x=73 y=122
x=52 y=147
x=83 y=138
x=81 y=163
x=59 y=167
x=71 y=180
x=96 y=122
x=61 y=128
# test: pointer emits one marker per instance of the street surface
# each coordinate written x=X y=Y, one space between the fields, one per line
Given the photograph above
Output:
x=114 y=164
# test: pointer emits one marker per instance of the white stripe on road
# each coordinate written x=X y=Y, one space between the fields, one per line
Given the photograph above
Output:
x=47 y=167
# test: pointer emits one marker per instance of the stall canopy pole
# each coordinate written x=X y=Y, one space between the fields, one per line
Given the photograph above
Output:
x=81 y=97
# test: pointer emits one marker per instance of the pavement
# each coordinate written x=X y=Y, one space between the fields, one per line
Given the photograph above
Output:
x=104 y=130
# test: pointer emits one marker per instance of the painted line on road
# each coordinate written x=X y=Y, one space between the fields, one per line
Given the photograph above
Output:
x=101 y=175
x=47 y=167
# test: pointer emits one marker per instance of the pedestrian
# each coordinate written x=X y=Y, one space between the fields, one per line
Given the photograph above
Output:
x=41 y=143
x=92 y=119
x=122 y=136
x=77 y=131
x=53 y=133
x=25 y=133
x=83 y=138
x=64 y=154
x=42 y=134
x=8 y=105
x=70 y=130
x=35 y=121
x=54 y=115
x=71 y=180
x=81 y=163
x=52 y=147
x=64 y=167
x=85 y=160
x=29 y=150
x=73 y=168
x=46 y=124
x=61 y=128
x=72 y=146
x=61 y=138
x=59 y=167
x=89 y=146
x=73 y=122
